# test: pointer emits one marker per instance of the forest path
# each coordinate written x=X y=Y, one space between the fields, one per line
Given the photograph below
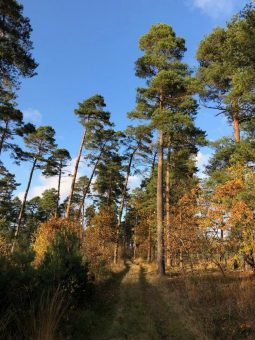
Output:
x=142 y=310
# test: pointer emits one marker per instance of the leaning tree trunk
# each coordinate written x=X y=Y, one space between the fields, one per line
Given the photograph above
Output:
x=168 y=246
x=116 y=247
x=58 y=193
x=160 y=226
x=68 y=207
x=23 y=206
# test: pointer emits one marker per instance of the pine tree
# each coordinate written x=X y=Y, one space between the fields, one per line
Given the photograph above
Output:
x=39 y=144
x=48 y=202
x=81 y=190
x=226 y=69
x=15 y=44
x=12 y=125
x=97 y=144
x=55 y=166
x=8 y=211
x=168 y=103
x=92 y=118
x=109 y=182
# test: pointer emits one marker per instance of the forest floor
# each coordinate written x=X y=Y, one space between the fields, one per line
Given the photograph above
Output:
x=136 y=304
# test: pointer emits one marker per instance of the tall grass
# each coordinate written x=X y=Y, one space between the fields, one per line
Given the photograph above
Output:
x=45 y=318
x=40 y=321
x=224 y=305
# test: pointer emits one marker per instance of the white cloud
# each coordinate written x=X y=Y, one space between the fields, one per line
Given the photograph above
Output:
x=134 y=181
x=201 y=161
x=214 y=8
x=32 y=115
x=45 y=183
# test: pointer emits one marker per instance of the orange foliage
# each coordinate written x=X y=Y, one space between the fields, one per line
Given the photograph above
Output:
x=240 y=213
x=185 y=222
x=230 y=189
x=99 y=240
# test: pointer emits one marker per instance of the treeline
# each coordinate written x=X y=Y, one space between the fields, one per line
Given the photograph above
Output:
x=174 y=218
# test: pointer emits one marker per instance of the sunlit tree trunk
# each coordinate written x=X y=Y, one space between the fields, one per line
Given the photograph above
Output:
x=168 y=213
x=58 y=193
x=68 y=207
x=160 y=226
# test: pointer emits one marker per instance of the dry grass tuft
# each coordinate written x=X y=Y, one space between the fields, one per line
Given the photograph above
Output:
x=43 y=321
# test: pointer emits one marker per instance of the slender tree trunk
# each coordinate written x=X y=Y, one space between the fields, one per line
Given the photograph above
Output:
x=236 y=126
x=58 y=194
x=222 y=234
x=116 y=247
x=23 y=206
x=68 y=208
x=88 y=186
x=3 y=137
x=160 y=221
x=168 y=246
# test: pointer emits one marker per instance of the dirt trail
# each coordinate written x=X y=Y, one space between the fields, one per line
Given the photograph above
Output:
x=141 y=312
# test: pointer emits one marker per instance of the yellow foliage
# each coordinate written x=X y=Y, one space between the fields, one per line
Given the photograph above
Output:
x=46 y=232
x=4 y=249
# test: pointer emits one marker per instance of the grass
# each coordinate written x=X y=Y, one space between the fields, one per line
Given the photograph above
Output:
x=134 y=303
x=224 y=306
x=40 y=321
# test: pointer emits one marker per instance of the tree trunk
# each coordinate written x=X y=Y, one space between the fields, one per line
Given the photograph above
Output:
x=88 y=186
x=168 y=247
x=58 y=194
x=236 y=126
x=116 y=247
x=160 y=226
x=68 y=208
x=22 y=210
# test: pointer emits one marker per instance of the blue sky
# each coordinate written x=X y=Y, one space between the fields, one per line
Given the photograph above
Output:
x=86 y=47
